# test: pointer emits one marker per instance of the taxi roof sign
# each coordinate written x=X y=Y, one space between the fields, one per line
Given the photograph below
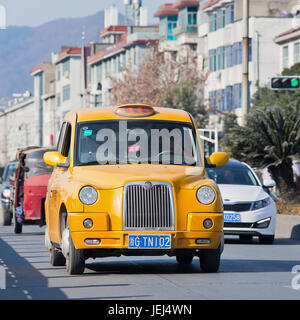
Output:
x=134 y=111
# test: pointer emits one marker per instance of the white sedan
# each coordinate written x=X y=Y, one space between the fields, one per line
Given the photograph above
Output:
x=248 y=208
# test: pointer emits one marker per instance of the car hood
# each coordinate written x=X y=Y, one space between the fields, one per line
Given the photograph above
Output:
x=241 y=193
x=115 y=176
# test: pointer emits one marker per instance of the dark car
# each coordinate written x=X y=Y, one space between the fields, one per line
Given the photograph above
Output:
x=6 y=213
x=28 y=187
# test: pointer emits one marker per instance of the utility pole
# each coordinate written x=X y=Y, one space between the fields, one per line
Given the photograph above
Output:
x=83 y=72
x=245 y=82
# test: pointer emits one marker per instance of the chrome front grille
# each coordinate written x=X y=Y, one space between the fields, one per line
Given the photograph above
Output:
x=149 y=208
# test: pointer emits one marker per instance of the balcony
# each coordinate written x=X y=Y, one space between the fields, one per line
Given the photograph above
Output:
x=186 y=29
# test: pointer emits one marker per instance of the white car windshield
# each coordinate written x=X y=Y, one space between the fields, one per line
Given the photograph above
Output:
x=232 y=175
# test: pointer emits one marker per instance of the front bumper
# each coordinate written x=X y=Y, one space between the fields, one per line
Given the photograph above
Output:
x=249 y=222
x=180 y=239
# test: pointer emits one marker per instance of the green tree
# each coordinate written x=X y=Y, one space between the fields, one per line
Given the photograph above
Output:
x=271 y=139
x=183 y=96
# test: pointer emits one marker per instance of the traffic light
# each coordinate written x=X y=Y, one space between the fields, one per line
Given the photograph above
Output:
x=285 y=83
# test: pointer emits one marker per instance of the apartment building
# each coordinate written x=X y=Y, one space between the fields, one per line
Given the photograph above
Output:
x=128 y=50
x=289 y=48
x=220 y=48
x=178 y=28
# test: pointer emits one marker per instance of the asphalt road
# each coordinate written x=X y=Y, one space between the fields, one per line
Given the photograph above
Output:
x=247 y=271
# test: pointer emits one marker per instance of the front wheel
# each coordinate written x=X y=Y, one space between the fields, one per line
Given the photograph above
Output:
x=75 y=260
x=210 y=260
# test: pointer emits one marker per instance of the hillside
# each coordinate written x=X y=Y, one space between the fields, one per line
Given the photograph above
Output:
x=24 y=47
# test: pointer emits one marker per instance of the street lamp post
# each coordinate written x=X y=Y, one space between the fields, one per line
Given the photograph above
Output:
x=245 y=82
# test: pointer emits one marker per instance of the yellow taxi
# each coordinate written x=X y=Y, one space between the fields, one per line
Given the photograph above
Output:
x=131 y=180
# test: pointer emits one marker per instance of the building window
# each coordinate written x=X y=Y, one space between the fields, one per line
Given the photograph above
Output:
x=66 y=68
x=172 y=24
x=296 y=52
x=250 y=49
x=66 y=93
x=229 y=97
x=212 y=22
x=230 y=13
x=285 y=55
x=58 y=100
x=192 y=15
x=99 y=72
x=212 y=60
x=58 y=73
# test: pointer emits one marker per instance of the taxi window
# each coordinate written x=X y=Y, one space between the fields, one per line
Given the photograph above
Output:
x=136 y=142
x=36 y=164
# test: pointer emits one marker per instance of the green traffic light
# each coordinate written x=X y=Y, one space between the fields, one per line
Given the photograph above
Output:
x=295 y=83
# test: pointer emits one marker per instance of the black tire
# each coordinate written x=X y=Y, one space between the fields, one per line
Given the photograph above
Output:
x=56 y=257
x=210 y=260
x=266 y=239
x=184 y=259
x=75 y=261
x=245 y=237
x=6 y=218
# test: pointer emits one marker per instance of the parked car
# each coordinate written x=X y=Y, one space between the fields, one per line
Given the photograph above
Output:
x=249 y=210
x=108 y=196
x=29 y=187
x=6 y=213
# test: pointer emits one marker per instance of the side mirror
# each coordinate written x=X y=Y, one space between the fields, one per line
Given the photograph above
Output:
x=217 y=159
x=269 y=183
x=55 y=159
x=26 y=169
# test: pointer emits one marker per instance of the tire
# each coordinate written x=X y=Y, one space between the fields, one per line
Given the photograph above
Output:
x=266 y=239
x=246 y=237
x=210 y=260
x=56 y=257
x=184 y=259
x=75 y=260
x=6 y=218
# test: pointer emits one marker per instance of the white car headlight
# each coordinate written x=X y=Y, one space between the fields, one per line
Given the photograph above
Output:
x=206 y=195
x=88 y=195
x=261 y=203
x=6 y=193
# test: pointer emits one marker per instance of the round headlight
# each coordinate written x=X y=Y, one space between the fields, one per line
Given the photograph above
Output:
x=88 y=195
x=206 y=195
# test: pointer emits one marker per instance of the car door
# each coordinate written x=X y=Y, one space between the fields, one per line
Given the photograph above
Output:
x=51 y=200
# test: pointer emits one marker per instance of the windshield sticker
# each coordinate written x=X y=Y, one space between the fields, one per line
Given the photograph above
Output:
x=87 y=133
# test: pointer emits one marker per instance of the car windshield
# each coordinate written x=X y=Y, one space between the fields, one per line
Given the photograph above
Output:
x=36 y=164
x=8 y=172
x=232 y=175
x=136 y=142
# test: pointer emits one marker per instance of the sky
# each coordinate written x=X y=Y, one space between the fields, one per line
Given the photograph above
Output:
x=35 y=12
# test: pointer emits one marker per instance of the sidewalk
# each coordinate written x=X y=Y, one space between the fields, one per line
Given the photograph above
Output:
x=287 y=226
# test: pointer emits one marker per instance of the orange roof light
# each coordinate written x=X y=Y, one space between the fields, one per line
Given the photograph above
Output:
x=134 y=111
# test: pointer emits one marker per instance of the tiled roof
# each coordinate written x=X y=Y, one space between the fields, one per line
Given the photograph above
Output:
x=120 y=46
x=36 y=68
x=69 y=52
x=113 y=29
x=166 y=9
x=184 y=3
x=210 y=3
x=290 y=31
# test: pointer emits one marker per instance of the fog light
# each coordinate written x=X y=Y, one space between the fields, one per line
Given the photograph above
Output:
x=207 y=223
x=202 y=241
x=262 y=223
x=88 y=223
x=92 y=241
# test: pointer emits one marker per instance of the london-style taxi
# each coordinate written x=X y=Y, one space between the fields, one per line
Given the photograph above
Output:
x=131 y=180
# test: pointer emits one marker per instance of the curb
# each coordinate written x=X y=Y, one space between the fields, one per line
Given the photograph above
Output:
x=287 y=226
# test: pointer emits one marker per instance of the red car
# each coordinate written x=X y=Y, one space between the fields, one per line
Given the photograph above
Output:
x=29 y=187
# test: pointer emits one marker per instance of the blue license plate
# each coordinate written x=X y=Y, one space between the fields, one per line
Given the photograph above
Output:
x=149 y=241
x=232 y=217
